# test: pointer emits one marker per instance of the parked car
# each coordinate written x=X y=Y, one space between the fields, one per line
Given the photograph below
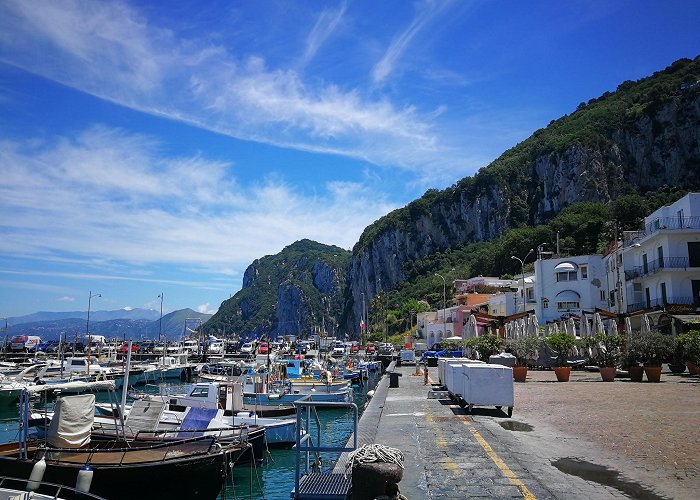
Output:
x=354 y=348
x=125 y=347
x=370 y=349
x=248 y=348
x=48 y=346
x=145 y=346
x=263 y=349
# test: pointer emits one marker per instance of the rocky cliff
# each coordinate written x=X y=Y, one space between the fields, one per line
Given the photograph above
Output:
x=643 y=136
x=293 y=292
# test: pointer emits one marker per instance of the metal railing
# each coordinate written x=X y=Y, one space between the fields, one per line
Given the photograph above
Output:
x=660 y=224
x=655 y=266
x=305 y=443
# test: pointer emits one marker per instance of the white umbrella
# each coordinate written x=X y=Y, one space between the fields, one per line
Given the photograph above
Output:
x=646 y=325
x=572 y=326
x=628 y=326
x=585 y=332
x=613 y=327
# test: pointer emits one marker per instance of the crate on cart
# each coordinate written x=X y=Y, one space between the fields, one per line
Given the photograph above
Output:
x=487 y=385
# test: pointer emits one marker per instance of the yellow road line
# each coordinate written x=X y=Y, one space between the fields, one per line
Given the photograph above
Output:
x=527 y=494
x=446 y=462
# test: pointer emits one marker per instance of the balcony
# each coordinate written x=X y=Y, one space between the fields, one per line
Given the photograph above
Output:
x=659 y=303
x=661 y=224
x=655 y=266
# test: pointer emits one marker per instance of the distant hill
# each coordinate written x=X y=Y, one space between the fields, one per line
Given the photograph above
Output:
x=293 y=292
x=123 y=324
x=147 y=314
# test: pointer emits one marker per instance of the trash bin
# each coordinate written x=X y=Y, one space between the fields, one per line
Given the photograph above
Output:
x=394 y=379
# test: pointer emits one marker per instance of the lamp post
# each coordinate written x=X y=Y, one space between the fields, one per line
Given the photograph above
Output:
x=87 y=324
x=522 y=272
x=444 y=313
x=4 y=346
x=363 y=321
x=160 y=327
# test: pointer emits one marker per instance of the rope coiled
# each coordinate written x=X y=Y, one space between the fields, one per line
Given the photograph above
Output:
x=372 y=453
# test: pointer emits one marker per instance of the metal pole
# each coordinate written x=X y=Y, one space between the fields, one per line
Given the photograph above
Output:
x=522 y=271
x=4 y=346
x=160 y=327
x=87 y=324
x=444 y=312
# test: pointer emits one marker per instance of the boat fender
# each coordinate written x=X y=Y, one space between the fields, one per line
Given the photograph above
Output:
x=84 y=480
x=36 y=475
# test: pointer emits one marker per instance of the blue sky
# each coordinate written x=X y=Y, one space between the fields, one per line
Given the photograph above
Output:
x=150 y=147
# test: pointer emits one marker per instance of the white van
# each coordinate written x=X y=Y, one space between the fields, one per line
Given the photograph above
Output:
x=24 y=342
x=96 y=340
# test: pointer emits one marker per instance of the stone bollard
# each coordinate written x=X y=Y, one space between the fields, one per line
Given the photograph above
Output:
x=369 y=480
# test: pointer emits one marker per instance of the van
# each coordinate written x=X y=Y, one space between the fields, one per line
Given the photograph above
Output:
x=24 y=342
x=96 y=340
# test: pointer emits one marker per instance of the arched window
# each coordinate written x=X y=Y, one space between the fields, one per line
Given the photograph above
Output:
x=568 y=299
x=566 y=271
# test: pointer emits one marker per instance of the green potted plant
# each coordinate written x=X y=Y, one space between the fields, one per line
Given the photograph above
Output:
x=563 y=344
x=631 y=360
x=524 y=349
x=486 y=345
x=652 y=348
x=608 y=354
x=688 y=348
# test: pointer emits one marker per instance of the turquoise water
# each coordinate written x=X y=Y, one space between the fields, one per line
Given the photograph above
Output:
x=272 y=480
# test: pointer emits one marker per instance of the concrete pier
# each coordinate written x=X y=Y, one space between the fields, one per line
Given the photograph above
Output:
x=584 y=439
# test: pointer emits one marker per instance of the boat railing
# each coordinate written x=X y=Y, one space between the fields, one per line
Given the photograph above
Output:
x=157 y=452
x=309 y=443
x=48 y=489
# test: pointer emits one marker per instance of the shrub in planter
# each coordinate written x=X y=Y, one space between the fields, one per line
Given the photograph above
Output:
x=652 y=348
x=486 y=345
x=688 y=348
x=608 y=354
x=563 y=344
x=524 y=348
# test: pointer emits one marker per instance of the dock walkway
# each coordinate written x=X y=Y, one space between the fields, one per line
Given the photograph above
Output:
x=585 y=426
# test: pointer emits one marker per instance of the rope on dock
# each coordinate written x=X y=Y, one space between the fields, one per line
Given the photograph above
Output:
x=371 y=453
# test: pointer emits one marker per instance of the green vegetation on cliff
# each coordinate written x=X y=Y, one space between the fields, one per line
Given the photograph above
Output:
x=591 y=125
x=292 y=292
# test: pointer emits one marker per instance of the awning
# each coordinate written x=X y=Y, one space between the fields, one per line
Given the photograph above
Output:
x=568 y=296
x=565 y=266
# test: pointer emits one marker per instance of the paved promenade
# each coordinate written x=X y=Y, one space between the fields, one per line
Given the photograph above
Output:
x=609 y=440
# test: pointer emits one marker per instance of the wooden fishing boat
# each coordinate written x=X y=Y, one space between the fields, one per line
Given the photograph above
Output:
x=193 y=467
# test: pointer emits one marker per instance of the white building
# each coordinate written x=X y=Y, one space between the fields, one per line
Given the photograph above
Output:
x=659 y=265
x=566 y=286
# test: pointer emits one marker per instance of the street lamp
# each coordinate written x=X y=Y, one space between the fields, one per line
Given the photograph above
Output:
x=87 y=324
x=522 y=272
x=363 y=321
x=160 y=326
x=4 y=347
x=444 y=312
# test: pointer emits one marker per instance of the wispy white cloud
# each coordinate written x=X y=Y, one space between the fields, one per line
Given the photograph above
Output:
x=65 y=298
x=326 y=24
x=114 y=194
x=426 y=12
x=112 y=51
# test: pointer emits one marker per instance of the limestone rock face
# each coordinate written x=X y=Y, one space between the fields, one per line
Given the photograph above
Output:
x=660 y=148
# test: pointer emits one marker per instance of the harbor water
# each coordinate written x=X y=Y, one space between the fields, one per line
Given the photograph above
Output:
x=273 y=478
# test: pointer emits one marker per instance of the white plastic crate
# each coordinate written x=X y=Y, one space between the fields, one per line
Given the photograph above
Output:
x=487 y=385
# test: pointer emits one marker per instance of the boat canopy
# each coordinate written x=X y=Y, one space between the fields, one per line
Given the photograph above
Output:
x=77 y=386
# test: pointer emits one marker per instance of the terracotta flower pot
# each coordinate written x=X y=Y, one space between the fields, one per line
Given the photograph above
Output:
x=607 y=373
x=636 y=373
x=692 y=368
x=563 y=373
x=653 y=373
x=519 y=373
